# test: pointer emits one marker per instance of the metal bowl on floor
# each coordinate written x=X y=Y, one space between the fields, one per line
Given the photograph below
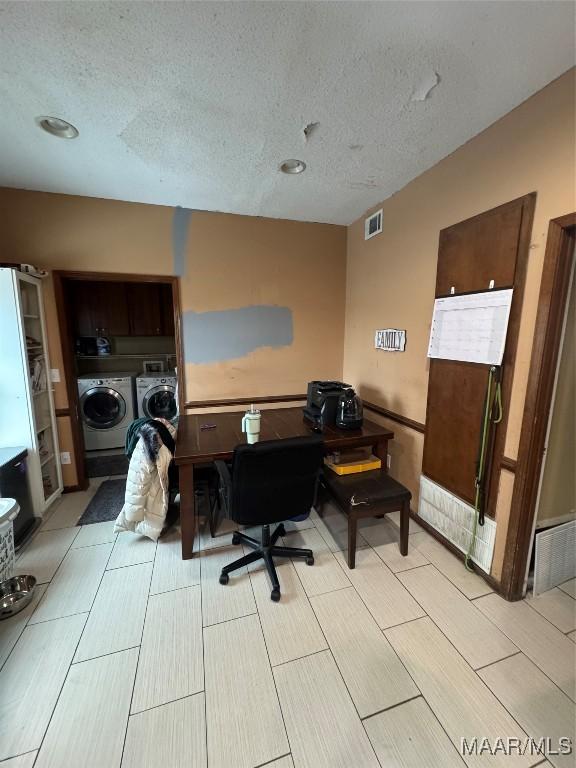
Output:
x=15 y=594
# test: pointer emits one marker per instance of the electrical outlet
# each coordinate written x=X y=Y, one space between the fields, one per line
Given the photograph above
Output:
x=65 y=457
x=388 y=460
x=55 y=375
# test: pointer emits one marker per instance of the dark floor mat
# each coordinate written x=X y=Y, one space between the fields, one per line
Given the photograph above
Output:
x=104 y=466
x=106 y=503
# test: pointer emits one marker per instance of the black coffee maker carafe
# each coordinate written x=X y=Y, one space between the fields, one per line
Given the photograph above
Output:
x=349 y=410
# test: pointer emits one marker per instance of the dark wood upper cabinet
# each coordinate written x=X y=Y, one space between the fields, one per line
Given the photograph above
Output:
x=144 y=309
x=150 y=309
x=121 y=309
x=100 y=308
x=167 y=309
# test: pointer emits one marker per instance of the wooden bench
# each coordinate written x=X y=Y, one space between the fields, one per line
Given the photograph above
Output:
x=366 y=494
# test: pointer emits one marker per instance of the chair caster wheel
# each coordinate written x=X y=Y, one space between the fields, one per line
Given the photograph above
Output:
x=275 y=595
x=224 y=578
x=309 y=561
x=235 y=538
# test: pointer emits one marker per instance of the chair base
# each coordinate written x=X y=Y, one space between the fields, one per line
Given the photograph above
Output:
x=265 y=550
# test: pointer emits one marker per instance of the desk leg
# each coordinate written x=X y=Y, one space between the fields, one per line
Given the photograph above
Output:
x=187 y=509
x=381 y=451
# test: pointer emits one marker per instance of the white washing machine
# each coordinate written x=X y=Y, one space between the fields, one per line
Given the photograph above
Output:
x=107 y=409
x=156 y=396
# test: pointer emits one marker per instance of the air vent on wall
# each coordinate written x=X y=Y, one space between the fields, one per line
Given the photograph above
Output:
x=373 y=225
x=554 y=560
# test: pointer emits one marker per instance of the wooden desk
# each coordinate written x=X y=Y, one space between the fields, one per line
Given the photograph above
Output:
x=196 y=446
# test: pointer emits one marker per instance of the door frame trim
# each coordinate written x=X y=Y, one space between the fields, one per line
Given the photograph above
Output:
x=59 y=279
x=552 y=300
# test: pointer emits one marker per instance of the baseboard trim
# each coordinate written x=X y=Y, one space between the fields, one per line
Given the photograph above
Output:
x=71 y=489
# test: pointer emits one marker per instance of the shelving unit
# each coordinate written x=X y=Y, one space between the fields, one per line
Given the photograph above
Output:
x=27 y=410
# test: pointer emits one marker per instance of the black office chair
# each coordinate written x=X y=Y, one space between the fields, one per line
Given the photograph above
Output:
x=269 y=482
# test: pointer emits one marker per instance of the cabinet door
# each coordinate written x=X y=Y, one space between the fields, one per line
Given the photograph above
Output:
x=99 y=308
x=167 y=309
x=144 y=309
x=85 y=320
x=113 y=309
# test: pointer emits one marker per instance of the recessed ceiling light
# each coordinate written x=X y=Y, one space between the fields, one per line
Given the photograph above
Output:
x=57 y=127
x=293 y=166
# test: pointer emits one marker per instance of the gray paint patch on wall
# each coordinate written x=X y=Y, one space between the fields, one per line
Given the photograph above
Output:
x=212 y=337
x=180 y=225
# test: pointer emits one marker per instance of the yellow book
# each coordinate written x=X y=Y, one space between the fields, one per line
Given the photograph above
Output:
x=349 y=467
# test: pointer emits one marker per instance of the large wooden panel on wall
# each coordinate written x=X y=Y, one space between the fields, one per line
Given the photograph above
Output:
x=455 y=404
x=478 y=250
x=491 y=246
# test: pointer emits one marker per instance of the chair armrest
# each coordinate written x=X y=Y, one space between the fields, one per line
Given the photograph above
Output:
x=224 y=472
x=225 y=488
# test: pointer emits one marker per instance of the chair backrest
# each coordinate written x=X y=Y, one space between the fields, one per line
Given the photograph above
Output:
x=275 y=479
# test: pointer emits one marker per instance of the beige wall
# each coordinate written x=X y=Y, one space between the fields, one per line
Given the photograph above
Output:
x=230 y=262
x=239 y=261
x=391 y=278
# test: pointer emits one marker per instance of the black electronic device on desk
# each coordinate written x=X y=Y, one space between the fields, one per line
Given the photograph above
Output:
x=323 y=405
x=349 y=410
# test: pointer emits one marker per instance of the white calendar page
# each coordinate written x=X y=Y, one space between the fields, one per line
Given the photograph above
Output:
x=471 y=328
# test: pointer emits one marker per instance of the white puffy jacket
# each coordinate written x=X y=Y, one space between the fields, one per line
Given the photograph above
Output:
x=146 y=498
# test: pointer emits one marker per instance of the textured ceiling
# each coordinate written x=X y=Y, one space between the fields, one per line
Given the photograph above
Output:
x=196 y=104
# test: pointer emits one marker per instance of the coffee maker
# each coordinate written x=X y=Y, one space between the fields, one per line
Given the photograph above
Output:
x=349 y=410
x=321 y=401
x=332 y=403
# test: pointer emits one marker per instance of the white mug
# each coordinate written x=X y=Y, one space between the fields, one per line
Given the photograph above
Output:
x=251 y=425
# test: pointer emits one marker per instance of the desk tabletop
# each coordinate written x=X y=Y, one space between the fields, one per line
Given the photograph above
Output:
x=195 y=445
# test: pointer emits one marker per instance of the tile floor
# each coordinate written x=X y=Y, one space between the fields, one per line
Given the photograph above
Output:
x=130 y=657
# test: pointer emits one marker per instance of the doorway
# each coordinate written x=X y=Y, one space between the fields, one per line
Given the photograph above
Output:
x=548 y=334
x=553 y=558
x=122 y=359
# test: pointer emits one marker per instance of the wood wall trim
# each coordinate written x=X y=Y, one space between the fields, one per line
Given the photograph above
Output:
x=72 y=489
x=113 y=277
x=545 y=350
x=241 y=401
x=178 y=342
x=397 y=417
x=62 y=412
x=509 y=464
x=66 y=345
